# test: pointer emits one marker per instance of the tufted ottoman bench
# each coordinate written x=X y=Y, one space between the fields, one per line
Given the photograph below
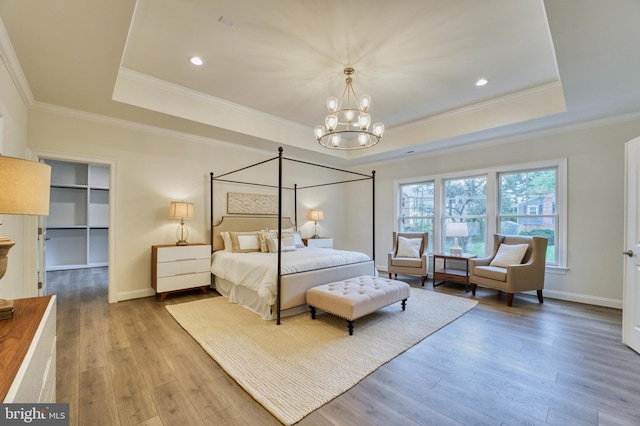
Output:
x=356 y=297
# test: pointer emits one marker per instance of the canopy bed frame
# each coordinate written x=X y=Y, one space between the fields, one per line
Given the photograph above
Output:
x=287 y=298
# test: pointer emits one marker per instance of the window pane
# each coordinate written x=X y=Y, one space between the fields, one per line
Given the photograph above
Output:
x=528 y=206
x=474 y=242
x=533 y=226
x=417 y=209
x=466 y=197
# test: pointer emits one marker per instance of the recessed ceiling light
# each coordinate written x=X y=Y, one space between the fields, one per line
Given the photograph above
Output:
x=481 y=82
x=195 y=60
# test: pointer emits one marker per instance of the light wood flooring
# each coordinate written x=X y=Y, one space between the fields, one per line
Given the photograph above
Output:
x=558 y=363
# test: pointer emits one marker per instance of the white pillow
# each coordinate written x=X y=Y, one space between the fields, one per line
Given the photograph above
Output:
x=297 y=239
x=287 y=245
x=408 y=247
x=509 y=254
x=243 y=242
x=226 y=239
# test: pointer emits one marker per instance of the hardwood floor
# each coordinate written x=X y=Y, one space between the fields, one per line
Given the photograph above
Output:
x=558 y=363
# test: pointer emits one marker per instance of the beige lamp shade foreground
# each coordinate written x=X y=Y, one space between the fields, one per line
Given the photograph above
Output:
x=24 y=186
x=24 y=190
x=181 y=210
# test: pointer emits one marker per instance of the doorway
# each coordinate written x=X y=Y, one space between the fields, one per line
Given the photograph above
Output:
x=78 y=233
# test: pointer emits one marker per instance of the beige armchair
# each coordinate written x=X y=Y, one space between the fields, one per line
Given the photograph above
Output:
x=409 y=256
x=511 y=278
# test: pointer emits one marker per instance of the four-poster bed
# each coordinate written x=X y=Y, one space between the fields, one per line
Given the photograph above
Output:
x=270 y=283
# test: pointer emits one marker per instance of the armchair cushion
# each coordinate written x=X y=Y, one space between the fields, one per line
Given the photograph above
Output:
x=406 y=262
x=409 y=247
x=509 y=254
x=491 y=272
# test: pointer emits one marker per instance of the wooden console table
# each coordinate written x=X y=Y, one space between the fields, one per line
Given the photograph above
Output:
x=28 y=352
x=445 y=274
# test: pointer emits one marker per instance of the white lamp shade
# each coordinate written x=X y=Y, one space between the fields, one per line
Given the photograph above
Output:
x=24 y=186
x=316 y=215
x=180 y=210
x=457 y=229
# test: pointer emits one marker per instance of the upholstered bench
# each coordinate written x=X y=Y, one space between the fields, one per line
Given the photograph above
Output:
x=354 y=298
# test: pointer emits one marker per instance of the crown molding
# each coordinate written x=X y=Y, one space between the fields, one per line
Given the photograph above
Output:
x=13 y=67
x=171 y=88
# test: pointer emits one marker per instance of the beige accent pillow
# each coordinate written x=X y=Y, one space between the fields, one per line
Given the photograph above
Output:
x=226 y=239
x=263 y=237
x=509 y=254
x=409 y=247
x=244 y=242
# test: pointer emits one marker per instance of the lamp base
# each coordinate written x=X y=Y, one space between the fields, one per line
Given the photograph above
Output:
x=182 y=243
x=455 y=251
x=6 y=309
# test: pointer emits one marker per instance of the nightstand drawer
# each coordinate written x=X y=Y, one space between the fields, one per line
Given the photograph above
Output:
x=171 y=254
x=179 y=282
x=182 y=267
x=321 y=242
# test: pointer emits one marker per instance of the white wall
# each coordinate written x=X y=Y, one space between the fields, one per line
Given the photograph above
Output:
x=595 y=201
x=153 y=168
x=20 y=279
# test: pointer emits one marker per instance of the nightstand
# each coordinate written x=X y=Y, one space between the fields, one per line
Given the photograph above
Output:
x=320 y=242
x=176 y=268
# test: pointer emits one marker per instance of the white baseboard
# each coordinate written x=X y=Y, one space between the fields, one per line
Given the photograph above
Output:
x=563 y=295
x=136 y=294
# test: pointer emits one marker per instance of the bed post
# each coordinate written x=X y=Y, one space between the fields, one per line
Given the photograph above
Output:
x=295 y=206
x=211 y=209
x=373 y=214
x=279 y=233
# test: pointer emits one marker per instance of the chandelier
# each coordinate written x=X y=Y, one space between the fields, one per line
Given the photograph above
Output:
x=347 y=126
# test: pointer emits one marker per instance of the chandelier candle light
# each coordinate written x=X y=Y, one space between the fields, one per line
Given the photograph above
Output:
x=346 y=126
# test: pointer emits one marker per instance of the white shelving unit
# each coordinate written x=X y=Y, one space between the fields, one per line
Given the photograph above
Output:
x=78 y=221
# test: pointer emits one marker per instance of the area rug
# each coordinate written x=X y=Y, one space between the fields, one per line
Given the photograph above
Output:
x=296 y=367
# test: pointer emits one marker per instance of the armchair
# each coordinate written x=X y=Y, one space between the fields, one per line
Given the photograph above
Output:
x=409 y=254
x=526 y=275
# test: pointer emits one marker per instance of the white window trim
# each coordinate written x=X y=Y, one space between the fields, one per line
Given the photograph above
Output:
x=492 y=201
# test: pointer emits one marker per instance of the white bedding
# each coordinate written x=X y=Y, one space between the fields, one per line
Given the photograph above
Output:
x=258 y=271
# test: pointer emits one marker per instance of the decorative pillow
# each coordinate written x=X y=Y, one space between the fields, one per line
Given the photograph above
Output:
x=297 y=238
x=409 y=247
x=226 y=239
x=244 y=242
x=287 y=245
x=509 y=254
x=263 y=237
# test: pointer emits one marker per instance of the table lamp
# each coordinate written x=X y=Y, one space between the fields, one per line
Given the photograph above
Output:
x=315 y=216
x=24 y=190
x=456 y=229
x=181 y=210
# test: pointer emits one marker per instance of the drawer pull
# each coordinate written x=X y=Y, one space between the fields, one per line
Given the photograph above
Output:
x=188 y=258
x=184 y=273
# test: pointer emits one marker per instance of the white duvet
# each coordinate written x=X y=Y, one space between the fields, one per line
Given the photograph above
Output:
x=258 y=271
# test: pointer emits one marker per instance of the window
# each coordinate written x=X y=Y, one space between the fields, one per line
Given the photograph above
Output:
x=465 y=201
x=527 y=206
x=417 y=208
x=524 y=199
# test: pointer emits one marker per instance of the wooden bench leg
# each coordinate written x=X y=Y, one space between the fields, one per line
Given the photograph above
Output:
x=404 y=304
x=350 y=327
x=313 y=312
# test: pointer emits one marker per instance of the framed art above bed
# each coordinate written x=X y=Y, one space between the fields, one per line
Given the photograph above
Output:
x=251 y=224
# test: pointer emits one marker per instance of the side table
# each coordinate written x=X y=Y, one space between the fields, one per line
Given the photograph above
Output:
x=445 y=274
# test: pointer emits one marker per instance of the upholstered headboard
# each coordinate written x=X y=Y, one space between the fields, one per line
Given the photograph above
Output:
x=244 y=224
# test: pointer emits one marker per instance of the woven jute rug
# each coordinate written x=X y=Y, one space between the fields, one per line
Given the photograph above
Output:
x=296 y=367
